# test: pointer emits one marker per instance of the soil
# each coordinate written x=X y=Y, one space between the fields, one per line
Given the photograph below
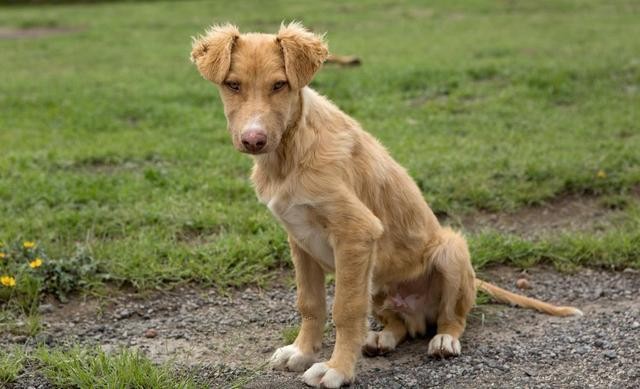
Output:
x=225 y=339
x=34 y=32
x=569 y=213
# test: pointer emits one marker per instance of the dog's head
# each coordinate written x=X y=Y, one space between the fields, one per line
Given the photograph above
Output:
x=259 y=77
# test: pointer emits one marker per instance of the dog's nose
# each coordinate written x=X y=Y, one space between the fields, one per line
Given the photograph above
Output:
x=254 y=140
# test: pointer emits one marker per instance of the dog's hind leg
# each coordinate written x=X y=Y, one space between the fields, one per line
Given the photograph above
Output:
x=312 y=307
x=451 y=264
x=393 y=333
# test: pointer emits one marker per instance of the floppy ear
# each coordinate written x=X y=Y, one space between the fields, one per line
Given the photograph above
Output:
x=304 y=52
x=212 y=52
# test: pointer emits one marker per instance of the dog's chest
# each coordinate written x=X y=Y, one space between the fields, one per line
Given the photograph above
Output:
x=305 y=229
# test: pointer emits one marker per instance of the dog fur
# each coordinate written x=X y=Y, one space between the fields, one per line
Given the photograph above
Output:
x=346 y=205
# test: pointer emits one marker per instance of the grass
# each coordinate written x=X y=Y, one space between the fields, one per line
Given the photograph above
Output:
x=11 y=364
x=289 y=334
x=112 y=144
x=91 y=368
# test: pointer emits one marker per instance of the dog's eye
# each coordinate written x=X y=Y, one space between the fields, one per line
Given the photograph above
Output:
x=233 y=85
x=279 y=85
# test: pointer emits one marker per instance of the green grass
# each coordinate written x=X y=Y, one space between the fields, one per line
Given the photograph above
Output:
x=111 y=141
x=289 y=334
x=91 y=368
x=11 y=364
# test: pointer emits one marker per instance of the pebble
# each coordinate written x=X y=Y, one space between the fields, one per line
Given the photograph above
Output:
x=582 y=350
x=150 y=333
x=123 y=314
x=523 y=283
x=45 y=308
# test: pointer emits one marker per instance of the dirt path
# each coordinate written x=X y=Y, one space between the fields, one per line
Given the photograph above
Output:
x=225 y=339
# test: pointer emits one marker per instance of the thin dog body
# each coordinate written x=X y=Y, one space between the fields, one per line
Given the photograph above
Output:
x=346 y=205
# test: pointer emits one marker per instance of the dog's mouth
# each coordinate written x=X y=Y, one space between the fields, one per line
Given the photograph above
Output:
x=254 y=152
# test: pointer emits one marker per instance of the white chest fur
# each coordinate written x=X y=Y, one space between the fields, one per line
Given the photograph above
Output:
x=304 y=229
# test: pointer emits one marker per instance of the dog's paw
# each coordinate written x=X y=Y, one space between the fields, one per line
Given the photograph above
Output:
x=379 y=343
x=444 y=345
x=291 y=358
x=321 y=375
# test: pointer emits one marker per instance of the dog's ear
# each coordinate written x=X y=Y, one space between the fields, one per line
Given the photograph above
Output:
x=211 y=52
x=304 y=52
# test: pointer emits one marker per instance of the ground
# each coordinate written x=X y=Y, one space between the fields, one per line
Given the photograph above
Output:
x=518 y=120
x=225 y=339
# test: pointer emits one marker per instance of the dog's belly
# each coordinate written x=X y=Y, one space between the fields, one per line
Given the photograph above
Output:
x=416 y=301
x=306 y=231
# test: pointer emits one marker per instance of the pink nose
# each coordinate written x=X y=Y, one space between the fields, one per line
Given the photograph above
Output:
x=254 y=140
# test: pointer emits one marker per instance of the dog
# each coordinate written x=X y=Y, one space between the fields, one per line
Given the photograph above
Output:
x=346 y=205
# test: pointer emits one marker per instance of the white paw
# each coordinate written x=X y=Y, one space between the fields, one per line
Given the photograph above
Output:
x=379 y=343
x=444 y=345
x=386 y=341
x=291 y=358
x=320 y=375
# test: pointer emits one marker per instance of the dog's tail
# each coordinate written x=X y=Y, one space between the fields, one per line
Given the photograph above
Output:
x=504 y=296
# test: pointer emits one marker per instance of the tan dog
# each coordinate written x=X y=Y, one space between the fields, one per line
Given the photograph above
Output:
x=347 y=206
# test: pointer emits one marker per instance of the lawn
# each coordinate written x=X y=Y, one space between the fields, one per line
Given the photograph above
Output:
x=113 y=147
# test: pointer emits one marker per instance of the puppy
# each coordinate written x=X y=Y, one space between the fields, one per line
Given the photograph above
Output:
x=346 y=205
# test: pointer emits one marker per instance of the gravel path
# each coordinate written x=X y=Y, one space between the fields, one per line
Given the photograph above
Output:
x=225 y=339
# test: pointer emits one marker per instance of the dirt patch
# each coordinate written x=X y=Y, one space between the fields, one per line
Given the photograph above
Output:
x=35 y=32
x=429 y=95
x=197 y=234
x=567 y=213
x=227 y=338
x=151 y=166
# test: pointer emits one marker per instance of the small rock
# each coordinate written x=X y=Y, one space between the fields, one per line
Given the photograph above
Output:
x=123 y=314
x=635 y=325
x=610 y=354
x=598 y=293
x=582 y=350
x=45 y=308
x=602 y=344
x=523 y=283
x=150 y=333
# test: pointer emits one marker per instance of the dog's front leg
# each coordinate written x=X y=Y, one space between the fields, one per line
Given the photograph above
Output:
x=313 y=310
x=354 y=241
